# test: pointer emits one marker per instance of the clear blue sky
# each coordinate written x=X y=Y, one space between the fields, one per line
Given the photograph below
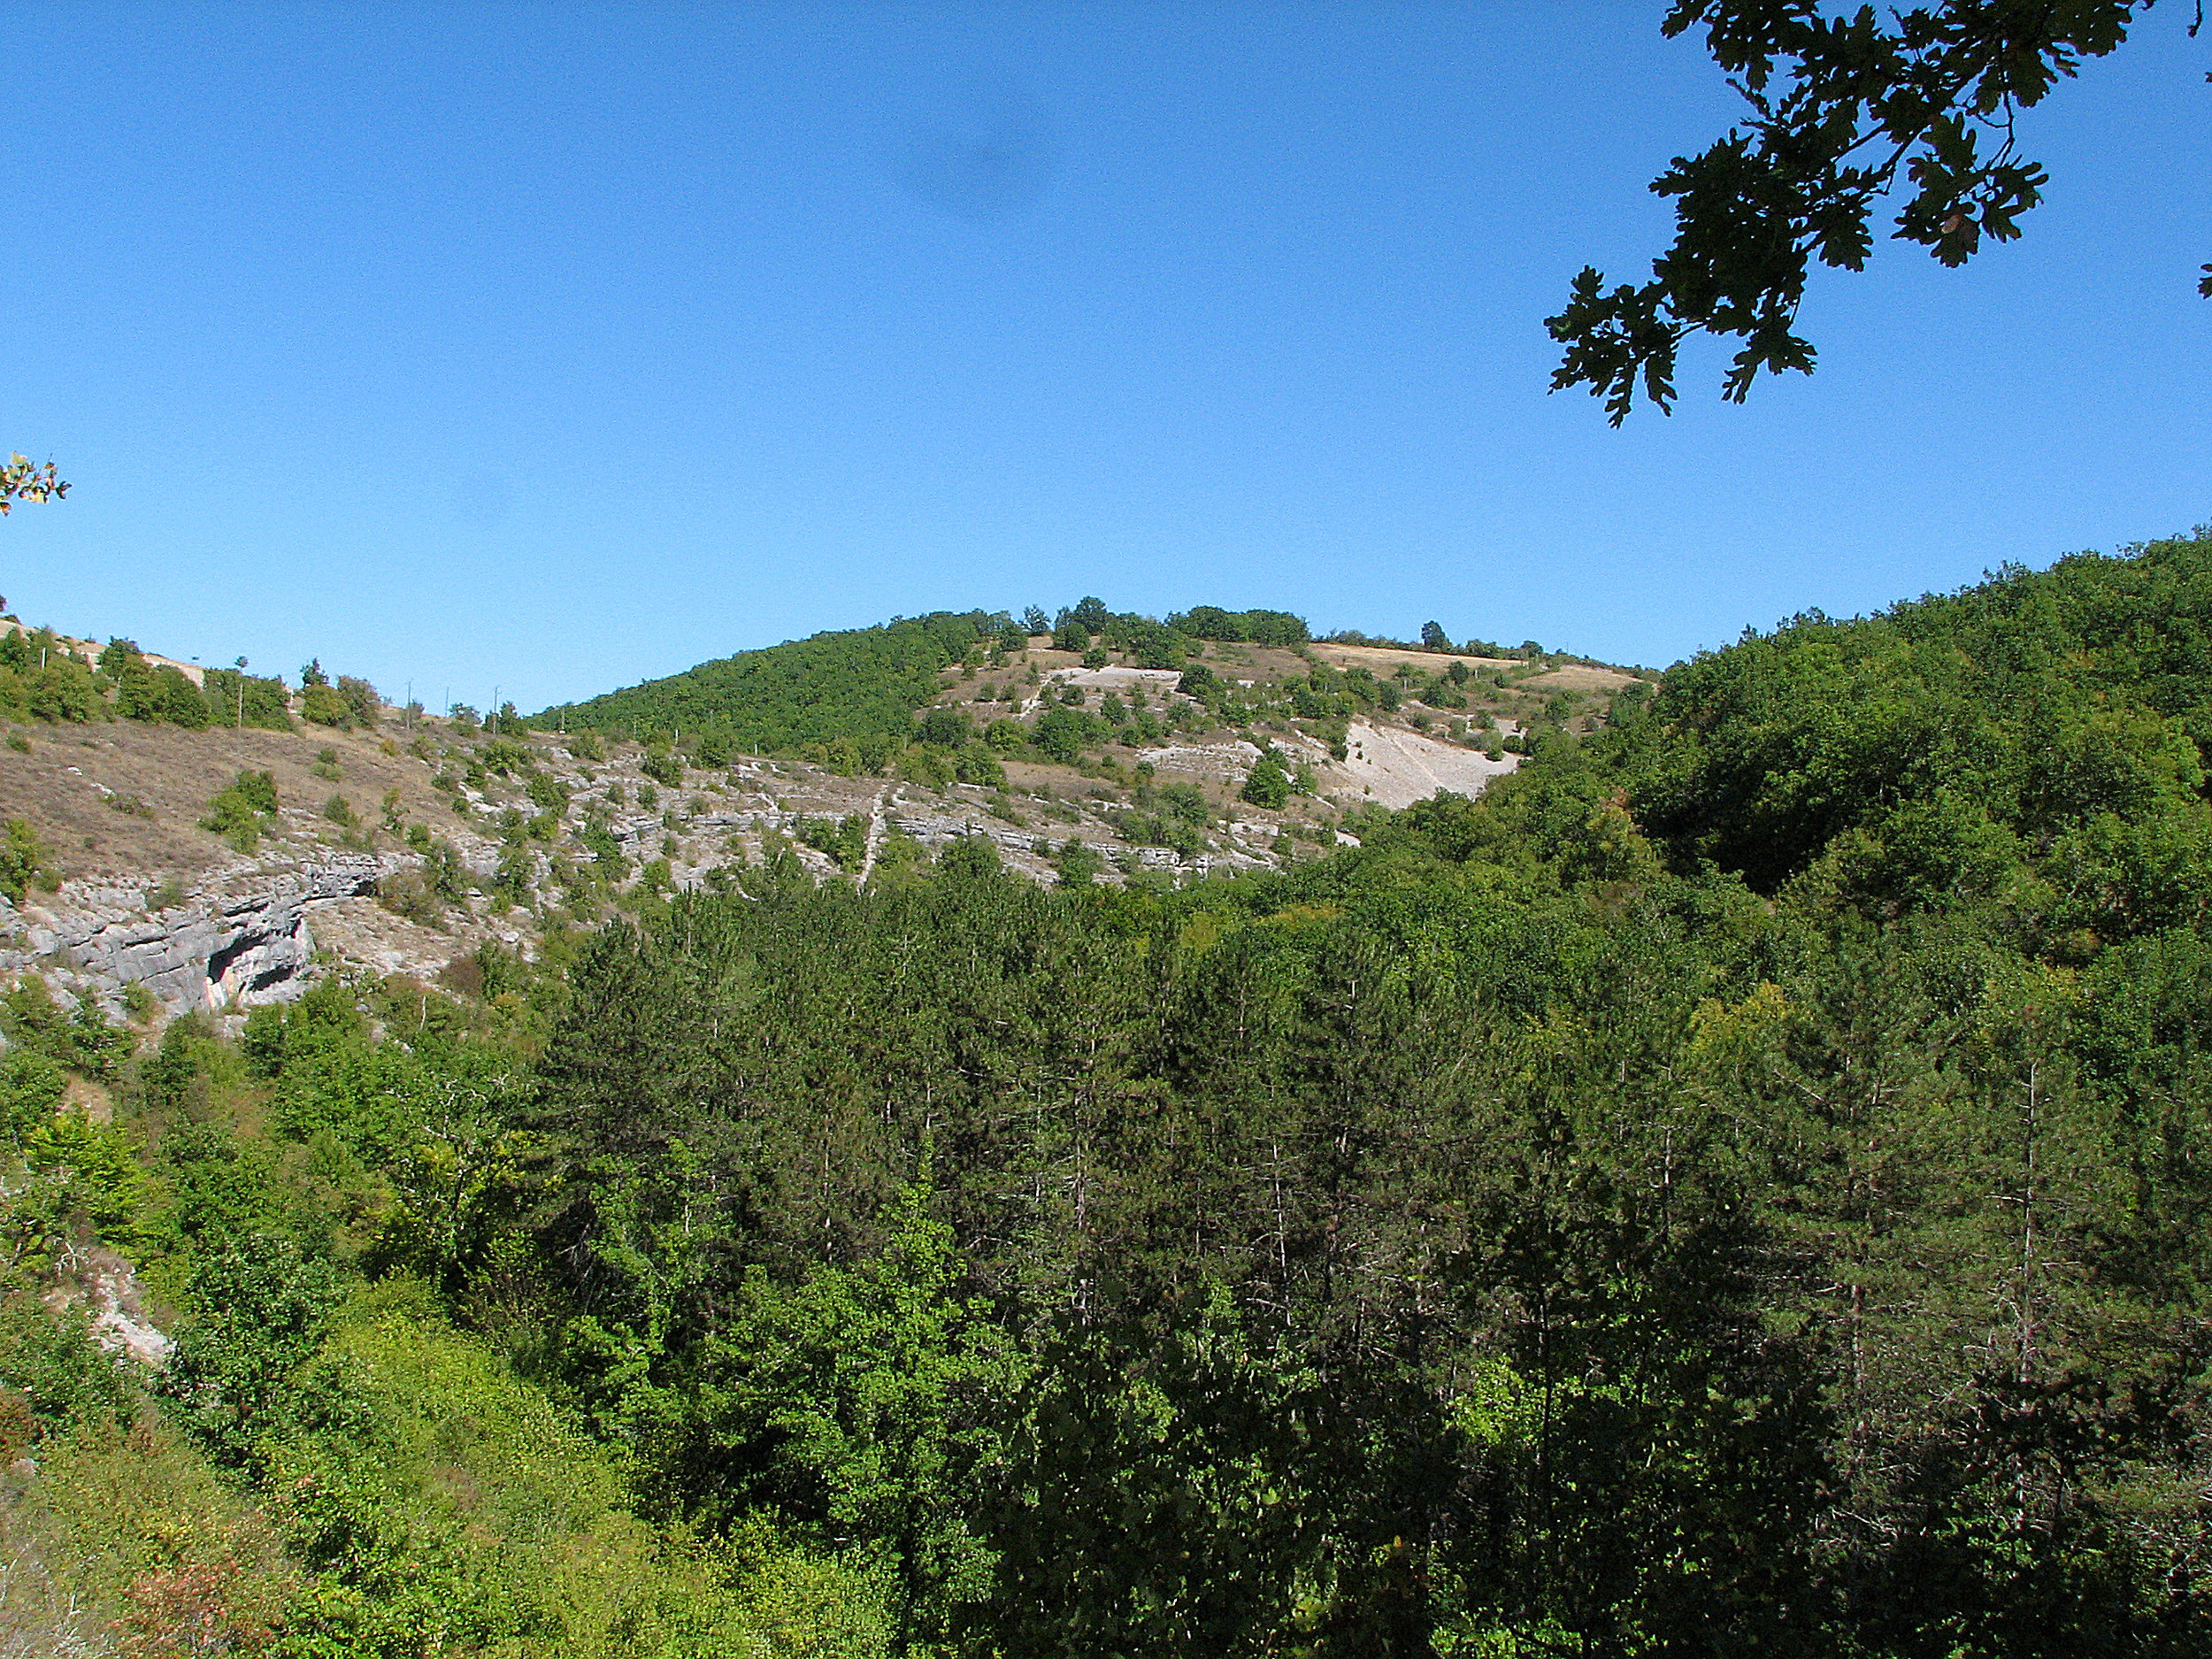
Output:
x=558 y=348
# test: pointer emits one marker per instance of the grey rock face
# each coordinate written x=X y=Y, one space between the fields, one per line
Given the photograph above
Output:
x=248 y=943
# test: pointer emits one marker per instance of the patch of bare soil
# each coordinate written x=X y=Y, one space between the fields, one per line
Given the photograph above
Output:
x=1395 y=768
x=1578 y=677
x=1378 y=660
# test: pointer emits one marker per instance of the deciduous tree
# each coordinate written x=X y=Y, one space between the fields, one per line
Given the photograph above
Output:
x=1843 y=108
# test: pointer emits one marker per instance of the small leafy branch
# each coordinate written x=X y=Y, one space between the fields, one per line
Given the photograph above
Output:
x=19 y=480
x=1844 y=108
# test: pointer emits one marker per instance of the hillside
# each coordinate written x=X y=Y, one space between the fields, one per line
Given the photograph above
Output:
x=858 y=683
x=868 y=686
x=1076 y=763
x=1736 y=1184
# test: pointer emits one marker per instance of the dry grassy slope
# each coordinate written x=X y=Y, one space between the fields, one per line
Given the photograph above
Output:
x=75 y=777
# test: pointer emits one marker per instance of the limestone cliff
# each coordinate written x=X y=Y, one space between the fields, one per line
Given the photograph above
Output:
x=242 y=937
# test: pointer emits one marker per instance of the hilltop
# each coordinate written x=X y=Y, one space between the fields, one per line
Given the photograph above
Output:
x=1248 y=668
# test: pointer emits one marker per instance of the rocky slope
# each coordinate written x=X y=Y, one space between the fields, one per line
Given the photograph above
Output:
x=433 y=838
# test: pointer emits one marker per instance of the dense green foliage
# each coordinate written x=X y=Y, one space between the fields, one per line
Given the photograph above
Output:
x=1741 y=1185
x=24 y=859
x=1261 y=627
x=856 y=683
x=1777 y=1229
x=40 y=679
x=242 y=809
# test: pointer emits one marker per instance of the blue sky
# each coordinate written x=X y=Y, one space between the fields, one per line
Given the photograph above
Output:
x=558 y=348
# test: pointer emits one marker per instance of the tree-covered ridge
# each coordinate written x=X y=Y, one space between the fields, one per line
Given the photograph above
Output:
x=852 y=682
x=46 y=677
x=2047 y=725
x=869 y=683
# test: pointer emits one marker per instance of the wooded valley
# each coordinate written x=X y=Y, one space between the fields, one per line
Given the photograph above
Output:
x=1739 y=1184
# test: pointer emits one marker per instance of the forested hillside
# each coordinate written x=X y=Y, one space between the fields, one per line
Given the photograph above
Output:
x=860 y=682
x=1739 y=1185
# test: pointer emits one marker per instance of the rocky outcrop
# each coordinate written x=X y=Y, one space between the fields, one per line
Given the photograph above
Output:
x=106 y=1285
x=243 y=939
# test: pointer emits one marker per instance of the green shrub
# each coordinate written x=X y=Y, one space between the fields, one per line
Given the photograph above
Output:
x=362 y=702
x=546 y=792
x=80 y=1038
x=64 y=690
x=845 y=840
x=181 y=703
x=104 y=1182
x=51 y=1363
x=1186 y=801
x=449 y=876
x=25 y=861
x=237 y=698
x=244 y=810
x=258 y=790
x=243 y=1375
x=31 y=1090
x=1267 y=784
x=976 y=764
x=517 y=868
x=322 y=705
x=1061 y=734
x=948 y=727
x=932 y=768
x=505 y=757
x=1078 y=863
x=608 y=863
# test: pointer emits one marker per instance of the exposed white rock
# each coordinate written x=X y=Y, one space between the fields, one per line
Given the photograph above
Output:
x=106 y=1286
x=243 y=938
